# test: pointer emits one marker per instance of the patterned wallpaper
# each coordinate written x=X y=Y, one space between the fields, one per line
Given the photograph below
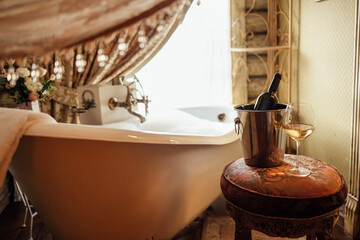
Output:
x=325 y=77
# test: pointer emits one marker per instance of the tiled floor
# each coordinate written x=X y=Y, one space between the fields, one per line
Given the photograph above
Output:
x=210 y=225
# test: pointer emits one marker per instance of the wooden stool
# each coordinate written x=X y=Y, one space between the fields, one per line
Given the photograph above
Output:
x=279 y=205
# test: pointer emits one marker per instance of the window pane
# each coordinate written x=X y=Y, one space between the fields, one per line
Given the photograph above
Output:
x=193 y=68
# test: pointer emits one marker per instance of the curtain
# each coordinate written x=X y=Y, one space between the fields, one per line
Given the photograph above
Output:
x=35 y=27
x=112 y=54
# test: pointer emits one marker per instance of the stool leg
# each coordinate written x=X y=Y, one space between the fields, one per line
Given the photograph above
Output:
x=328 y=227
x=242 y=233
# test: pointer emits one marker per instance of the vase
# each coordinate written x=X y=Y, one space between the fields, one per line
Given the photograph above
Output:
x=7 y=101
x=34 y=106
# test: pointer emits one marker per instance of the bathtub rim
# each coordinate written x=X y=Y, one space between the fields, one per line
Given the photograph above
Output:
x=94 y=132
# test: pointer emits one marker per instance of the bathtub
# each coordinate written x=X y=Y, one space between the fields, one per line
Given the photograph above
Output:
x=102 y=182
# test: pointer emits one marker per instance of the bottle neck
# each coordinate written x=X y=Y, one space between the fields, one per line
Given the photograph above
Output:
x=271 y=91
x=274 y=83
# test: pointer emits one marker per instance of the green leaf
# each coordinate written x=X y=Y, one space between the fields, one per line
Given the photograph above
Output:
x=3 y=81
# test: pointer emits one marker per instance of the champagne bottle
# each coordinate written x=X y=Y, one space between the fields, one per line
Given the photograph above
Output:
x=268 y=100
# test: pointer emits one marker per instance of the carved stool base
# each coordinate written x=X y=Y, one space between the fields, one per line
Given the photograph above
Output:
x=319 y=227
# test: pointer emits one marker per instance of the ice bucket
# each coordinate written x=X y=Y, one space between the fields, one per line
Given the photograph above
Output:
x=262 y=137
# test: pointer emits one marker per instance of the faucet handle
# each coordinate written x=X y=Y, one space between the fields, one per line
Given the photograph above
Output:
x=146 y=101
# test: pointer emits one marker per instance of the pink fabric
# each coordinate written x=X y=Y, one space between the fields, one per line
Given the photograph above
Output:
x=13 y=125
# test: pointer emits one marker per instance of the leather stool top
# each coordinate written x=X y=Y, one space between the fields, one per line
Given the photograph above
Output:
x=271 y=192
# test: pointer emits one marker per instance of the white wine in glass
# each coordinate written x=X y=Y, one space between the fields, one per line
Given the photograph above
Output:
x=298 y=125
x=298 y=131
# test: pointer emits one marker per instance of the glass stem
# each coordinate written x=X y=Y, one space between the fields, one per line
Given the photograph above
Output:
x=297 y=153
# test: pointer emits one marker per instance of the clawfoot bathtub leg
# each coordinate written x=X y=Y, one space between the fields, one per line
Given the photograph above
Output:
x=28 y=207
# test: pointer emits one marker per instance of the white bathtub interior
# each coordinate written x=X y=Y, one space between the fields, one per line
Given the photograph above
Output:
x=201 y=121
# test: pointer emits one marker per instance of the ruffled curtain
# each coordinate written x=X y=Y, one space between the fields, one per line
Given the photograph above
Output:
x=117 y=51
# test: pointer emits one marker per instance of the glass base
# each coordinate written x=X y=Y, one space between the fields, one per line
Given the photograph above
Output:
x=298 y=172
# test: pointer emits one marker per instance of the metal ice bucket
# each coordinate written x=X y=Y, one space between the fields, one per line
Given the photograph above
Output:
x=262 y=137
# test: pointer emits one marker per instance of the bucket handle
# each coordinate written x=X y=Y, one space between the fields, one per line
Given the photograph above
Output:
x=238 y=126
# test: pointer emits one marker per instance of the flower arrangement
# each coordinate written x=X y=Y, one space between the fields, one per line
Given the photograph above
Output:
x=24 y=85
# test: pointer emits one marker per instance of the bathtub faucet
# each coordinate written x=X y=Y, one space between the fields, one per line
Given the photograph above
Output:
x=145 y=100
x=128 y=104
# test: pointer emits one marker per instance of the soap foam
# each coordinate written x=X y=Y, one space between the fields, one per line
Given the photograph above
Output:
x=175 y=122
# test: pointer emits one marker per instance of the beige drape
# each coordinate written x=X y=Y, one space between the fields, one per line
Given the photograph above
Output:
x=35 y=27
x=146 y=28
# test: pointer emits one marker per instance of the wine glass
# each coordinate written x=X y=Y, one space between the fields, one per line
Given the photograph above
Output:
x=299 y=123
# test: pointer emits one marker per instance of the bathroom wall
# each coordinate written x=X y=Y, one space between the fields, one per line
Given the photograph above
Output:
x=325 y=77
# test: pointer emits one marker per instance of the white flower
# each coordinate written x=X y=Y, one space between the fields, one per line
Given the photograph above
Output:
x=39 y=86
x=32 y=86
x=23 y=72
x=43 y=71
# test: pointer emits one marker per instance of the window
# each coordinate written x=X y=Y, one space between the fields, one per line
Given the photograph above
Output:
x=193 y=68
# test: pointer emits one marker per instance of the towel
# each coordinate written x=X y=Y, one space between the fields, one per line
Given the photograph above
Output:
x=13 y=124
